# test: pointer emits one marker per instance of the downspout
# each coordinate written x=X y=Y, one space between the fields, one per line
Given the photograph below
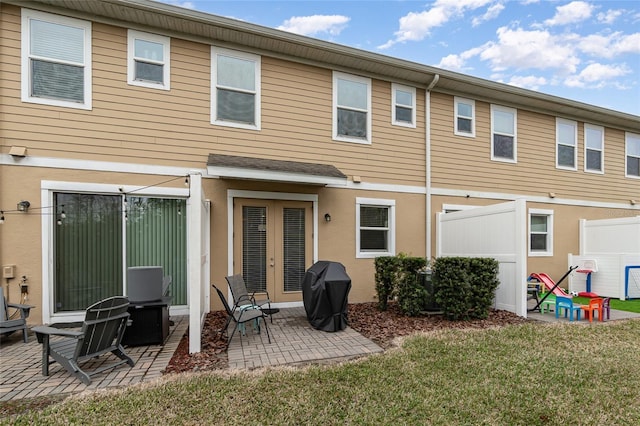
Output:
x=427 y=100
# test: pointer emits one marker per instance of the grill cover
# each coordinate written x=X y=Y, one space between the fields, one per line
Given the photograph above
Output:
x=325 y=292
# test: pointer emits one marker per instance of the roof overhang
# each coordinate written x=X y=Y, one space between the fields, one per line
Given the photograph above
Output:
x=206 y=28
x=261 y=169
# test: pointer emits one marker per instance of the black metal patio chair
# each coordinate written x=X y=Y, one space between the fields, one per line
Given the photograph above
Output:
x=241 y=317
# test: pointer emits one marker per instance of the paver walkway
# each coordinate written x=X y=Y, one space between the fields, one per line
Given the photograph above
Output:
x=294 y=341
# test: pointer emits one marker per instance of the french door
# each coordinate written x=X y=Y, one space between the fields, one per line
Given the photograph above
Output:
x=273 y=245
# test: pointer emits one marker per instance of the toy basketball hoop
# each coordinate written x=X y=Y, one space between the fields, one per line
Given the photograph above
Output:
x=588 y=266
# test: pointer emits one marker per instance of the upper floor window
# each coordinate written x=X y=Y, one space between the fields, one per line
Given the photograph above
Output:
x=540 y=232
x=235 y=86
x=593 y=148
x=148 y=60
x=633 y=154
x=503 y=134
x=56 y=60
x=351 y=108
x=566 y=142
x=375 y=227
x=403 y=105
x=465 y=117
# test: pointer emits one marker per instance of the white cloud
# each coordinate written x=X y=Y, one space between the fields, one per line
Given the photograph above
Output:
x=315 y=24
x=610 y=45
x=609 y=16
x=521 y=49
x=457 y=62
x=528 y=82
x=415 y=26
x=185 y=4
x=597 y=75
x=491 y=13
x=575 y=11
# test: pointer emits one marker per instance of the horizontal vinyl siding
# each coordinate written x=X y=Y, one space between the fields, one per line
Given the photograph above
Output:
x=465 y=163
x=142 y=125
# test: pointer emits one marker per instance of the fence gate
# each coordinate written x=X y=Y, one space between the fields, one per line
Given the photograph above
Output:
x=498 y=231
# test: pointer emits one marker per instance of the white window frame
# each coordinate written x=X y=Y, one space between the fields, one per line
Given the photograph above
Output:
x=601 y=150
x=29 y=15
x=627 y=137
x=456 y=115
x=549 y=251
x=514 y=112
x=562 y=121
x=356 y=79
x=412 y=90
x=47 y=190
x=257 y=60
x=132 y=36
x=376 y=202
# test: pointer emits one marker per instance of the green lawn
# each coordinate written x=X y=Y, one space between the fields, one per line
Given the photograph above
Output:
x=532 y=374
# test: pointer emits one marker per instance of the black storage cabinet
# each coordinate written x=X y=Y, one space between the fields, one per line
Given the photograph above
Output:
x=325 y=293
x=149 y=323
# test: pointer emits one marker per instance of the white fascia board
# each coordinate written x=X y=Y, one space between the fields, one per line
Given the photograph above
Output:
x=265 y=175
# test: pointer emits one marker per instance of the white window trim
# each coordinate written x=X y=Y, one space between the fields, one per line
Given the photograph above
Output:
x=47 y=189
x=256 y=59
x=395 y=87
x=27 y=16
x=363 y=80
x=392 y=226
x=601 y=130
x=515 y=134
x=549 y=251
x=458 y=132
x=575 y=143
x=627 y=136
x=132 y=35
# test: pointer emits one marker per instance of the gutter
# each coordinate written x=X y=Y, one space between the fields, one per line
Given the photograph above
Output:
x=427 y=100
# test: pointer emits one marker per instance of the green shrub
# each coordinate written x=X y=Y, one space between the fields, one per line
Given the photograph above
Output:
x=465 y=287
x=386 y=272
x=396 y=276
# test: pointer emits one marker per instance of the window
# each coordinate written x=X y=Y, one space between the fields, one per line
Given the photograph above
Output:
x=351 y=108
x=97 y=236
x=503 y=134
x=56 y=60
x=633 y=155
x=465 y=114
x=540 y=232
x=375 y=225
x=593 y=148
x=235 y=85
x=403 y=105
x=566 y=137
x=148 y=60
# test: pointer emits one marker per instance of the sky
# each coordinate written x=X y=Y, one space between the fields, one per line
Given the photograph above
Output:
x=587 y=51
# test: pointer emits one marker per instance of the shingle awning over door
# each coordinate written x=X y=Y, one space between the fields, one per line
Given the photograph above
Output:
x=237 y=167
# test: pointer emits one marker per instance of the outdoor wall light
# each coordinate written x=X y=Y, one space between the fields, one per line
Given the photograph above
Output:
x=327 y=217
x=633 y=202
x=23 y=206
x=552 y=195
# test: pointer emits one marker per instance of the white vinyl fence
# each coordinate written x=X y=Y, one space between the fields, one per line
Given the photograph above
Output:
x=498 y=231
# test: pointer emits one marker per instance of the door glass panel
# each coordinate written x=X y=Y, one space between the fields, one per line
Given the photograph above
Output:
x=157 y=236
x=294 y=248
x=88 y=250
x=254 y=247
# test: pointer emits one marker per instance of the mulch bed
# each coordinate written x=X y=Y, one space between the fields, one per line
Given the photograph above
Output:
x=379 y=326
